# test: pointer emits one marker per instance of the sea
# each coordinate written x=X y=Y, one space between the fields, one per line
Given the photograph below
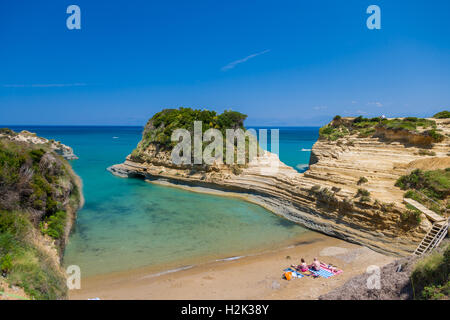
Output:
x=128 y=224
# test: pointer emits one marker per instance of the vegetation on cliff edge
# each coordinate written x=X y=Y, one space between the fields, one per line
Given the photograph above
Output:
x=159 y=129
x=431 y=276
x=37 y=188
x=431 y=188
x=442 y=115
x=366 y=127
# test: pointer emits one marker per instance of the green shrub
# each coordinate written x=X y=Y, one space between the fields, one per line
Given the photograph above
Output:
x=412 y=215
x=327 y=195
x=337 y=117
x=362 y=180
x=442 y=115
x=6 y=263
x=360 y=119
x=366 y=132
x=56 y=224
x=37 y=154
x=426 y=153
x=333 y=133
x=434 y=183
x=362 y=193
x=436 y=136
x=431 y=275
x=160 y=127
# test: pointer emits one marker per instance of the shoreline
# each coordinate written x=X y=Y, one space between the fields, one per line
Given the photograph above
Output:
x=275 y=203
x=253 y=276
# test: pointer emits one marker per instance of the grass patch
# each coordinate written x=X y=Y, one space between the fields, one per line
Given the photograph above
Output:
x=333 y=133
x=423 y=152
x=430 y=188
x=25 y=265
x=434 y=183
x=367 y=127
x=430 y=278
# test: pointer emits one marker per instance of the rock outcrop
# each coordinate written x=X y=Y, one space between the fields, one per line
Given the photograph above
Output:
x=25 y=136
x=39 y=197
x=325 y=198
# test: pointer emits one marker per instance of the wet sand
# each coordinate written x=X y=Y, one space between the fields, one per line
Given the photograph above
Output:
x=253 y=277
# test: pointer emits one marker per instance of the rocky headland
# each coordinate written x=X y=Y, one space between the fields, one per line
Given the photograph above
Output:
x=349 y=190
x=39 y=197
x=29 y=137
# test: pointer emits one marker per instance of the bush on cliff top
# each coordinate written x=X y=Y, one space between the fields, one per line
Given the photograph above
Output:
x=333 y=133
x=160 y=127
x=442 y=115
x=366 y=127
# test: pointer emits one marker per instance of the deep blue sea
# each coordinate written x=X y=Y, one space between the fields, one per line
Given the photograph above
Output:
x=129 y=223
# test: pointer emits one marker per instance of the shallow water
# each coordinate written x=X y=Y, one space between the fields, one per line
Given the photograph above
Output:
x=129 y=223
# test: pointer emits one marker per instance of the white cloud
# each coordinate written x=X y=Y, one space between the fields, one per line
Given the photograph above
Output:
x=233 y=64
x=320 y=107
x=376 y=103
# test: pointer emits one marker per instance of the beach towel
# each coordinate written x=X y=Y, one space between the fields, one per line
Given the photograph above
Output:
x=295 y=274
x=326 y=271
x=322 y=273
x=330 y=268
x=308 y=273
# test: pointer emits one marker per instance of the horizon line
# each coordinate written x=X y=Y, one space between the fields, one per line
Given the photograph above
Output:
x=141 y=126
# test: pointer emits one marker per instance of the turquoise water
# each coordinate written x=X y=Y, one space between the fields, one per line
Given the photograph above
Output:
x=129 y=223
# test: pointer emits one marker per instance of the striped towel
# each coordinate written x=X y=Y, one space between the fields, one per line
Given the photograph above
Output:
x=323 y=273
x=331 y=269
x=294 y=273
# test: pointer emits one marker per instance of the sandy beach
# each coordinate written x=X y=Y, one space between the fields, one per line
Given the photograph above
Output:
x=257 y=276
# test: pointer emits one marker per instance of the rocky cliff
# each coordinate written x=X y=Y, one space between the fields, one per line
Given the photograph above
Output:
x=28 y=137
x=349 y=190
x=39 y=197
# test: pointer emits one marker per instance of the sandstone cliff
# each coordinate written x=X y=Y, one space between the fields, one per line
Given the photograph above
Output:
x=324 y=198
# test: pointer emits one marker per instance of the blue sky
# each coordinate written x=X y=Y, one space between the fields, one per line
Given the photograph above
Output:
x=281 y=62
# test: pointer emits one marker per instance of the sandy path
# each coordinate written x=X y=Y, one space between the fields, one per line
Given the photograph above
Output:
x=253 y=277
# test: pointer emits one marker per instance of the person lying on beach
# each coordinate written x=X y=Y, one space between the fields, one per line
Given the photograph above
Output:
x=315 y=265
x=303 y=267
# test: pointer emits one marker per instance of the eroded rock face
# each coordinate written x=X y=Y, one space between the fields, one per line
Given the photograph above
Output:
x=324 y=197
x=25 y=136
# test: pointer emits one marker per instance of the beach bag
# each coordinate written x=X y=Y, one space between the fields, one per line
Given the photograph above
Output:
x=288 y=275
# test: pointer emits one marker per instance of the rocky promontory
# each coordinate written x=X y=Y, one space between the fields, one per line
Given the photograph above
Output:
x=28 y=137
x=349 y=190
x=39 y=197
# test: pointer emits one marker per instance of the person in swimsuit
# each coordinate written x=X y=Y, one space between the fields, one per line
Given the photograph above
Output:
x=302 y=266
x=315 y=265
